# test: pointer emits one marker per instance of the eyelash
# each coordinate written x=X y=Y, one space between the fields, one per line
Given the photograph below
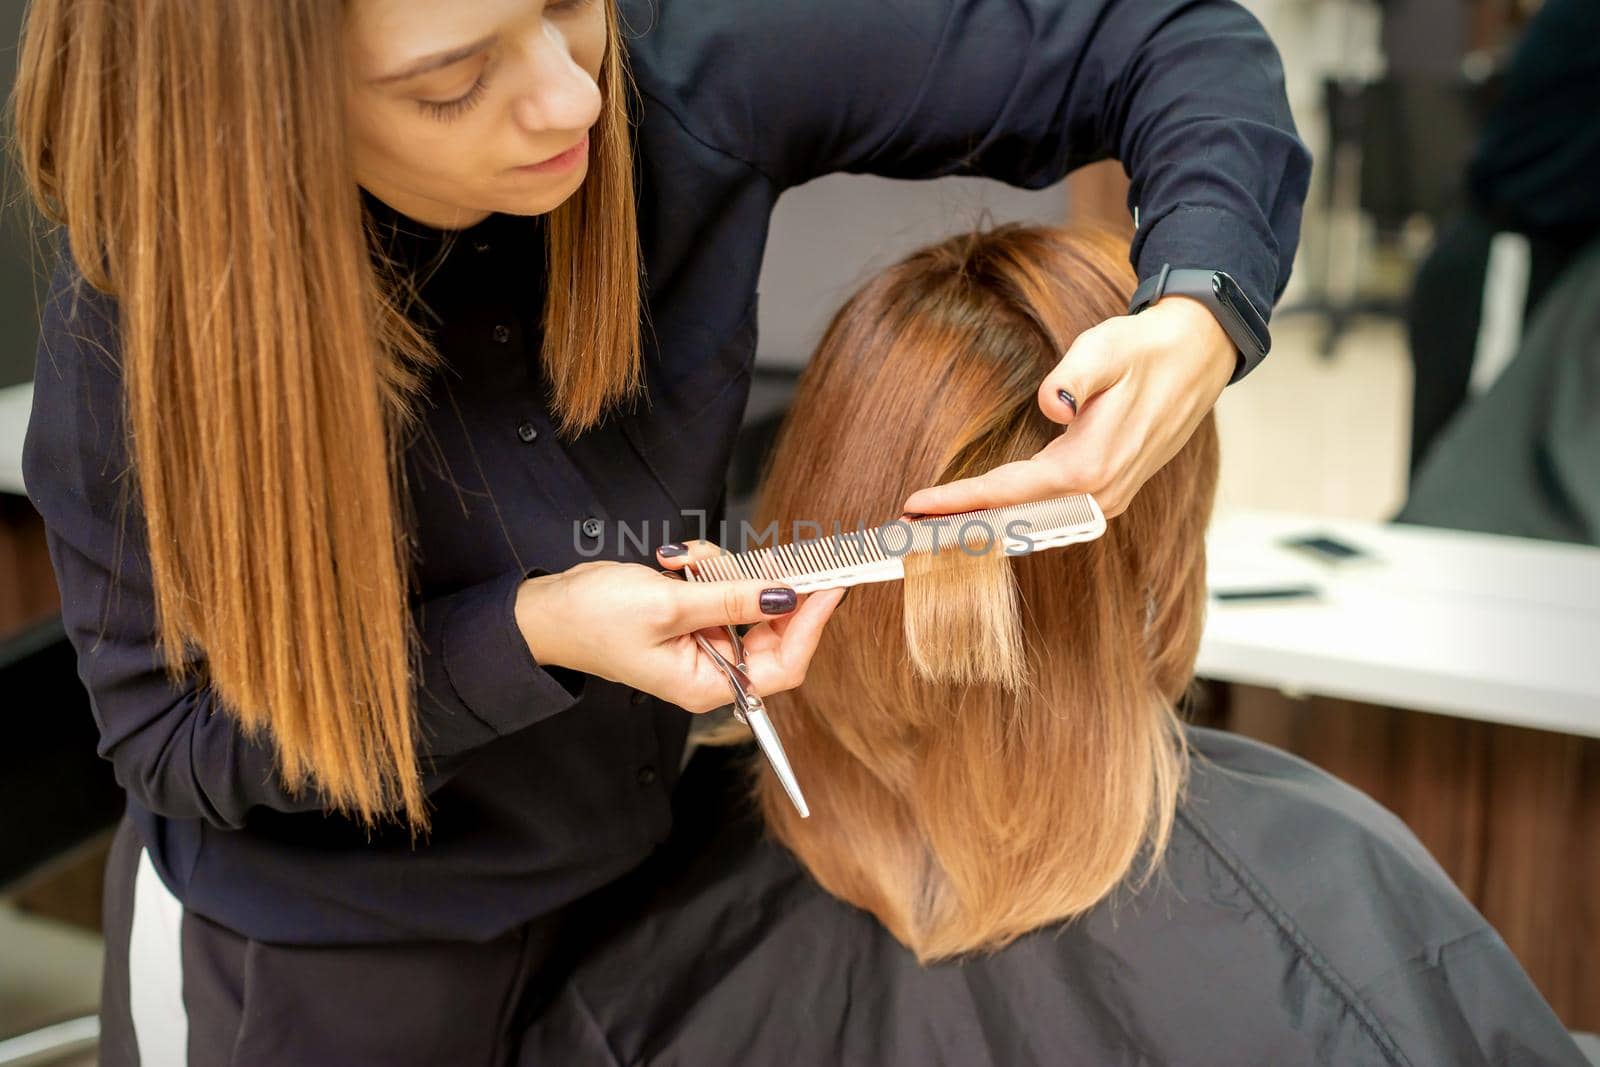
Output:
x=450 y=109
x=447 y=110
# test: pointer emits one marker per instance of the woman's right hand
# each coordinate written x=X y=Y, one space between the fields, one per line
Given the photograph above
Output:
x=634 y=625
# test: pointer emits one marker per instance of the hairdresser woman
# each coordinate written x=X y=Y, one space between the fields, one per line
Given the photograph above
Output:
x=380 y=321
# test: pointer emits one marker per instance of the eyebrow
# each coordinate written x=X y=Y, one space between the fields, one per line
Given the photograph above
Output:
x=434 y=62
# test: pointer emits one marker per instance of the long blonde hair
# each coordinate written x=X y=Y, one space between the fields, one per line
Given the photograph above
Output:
x=992 y=746
x=269 y=369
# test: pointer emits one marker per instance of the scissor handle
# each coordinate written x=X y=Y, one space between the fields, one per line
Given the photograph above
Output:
x=745 y=699
x=738 y=646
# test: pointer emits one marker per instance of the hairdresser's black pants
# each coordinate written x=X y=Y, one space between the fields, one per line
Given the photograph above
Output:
x=180 y=989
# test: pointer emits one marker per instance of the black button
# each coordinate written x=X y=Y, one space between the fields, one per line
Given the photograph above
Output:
x=480 y=245
x=639 y=697
x=502 y=334
x=593 y=527
x=646 y=775
x=528 y=432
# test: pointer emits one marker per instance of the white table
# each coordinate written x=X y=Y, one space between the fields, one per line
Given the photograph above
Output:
x=1502 y=629
x=15 y=403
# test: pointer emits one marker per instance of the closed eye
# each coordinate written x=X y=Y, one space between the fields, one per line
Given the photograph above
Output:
x=445 y=110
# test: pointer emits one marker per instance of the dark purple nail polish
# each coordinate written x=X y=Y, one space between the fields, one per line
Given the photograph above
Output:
x=778 y=601
x=673 y=549
x=1068 y=399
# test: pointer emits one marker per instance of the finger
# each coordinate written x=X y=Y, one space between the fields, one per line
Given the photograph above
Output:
x=1021 y=482
x=783 y=666
x=674 y=555
x=705 y=688
x=718 y=638
x=803 y=630
x=808 y=614
x=699 y=605
x=1090 y=367
x=765 y=657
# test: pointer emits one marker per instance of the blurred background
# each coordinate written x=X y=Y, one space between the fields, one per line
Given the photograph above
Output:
x=1404 y=561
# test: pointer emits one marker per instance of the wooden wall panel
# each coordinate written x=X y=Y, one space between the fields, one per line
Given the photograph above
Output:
x=27 y=583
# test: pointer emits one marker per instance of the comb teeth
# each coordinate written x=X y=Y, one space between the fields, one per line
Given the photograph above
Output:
x=875 y=554
x=816 y=555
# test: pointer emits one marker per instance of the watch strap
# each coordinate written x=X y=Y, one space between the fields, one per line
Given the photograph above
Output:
x=1198 y=284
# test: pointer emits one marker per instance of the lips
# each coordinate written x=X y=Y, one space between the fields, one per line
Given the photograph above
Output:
x=562 y=159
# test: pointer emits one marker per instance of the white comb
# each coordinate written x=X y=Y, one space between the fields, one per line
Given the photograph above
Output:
x=878 y=554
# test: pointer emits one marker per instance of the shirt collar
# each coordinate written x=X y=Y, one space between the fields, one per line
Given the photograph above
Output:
x=419 y=246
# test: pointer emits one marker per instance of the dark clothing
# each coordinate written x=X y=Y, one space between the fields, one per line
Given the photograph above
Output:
x=179 y=989
x=546 y=784
x=1533 y=173
x=1535 y=165
x=1445 y=316
x=1523 y=459
x=1293 y=921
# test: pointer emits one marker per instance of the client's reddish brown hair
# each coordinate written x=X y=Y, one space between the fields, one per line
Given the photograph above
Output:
x=964 y=811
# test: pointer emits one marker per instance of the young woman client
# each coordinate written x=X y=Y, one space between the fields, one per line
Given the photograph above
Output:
x=1017 y=853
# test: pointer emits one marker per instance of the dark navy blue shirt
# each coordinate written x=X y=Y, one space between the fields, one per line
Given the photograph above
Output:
x=546 y=783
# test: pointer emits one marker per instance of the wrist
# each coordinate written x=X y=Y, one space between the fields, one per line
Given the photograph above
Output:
x=537 y=618
x=1219 y=294
x=1197 y=324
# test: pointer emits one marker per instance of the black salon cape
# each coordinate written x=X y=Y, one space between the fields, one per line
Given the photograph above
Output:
x=545 y=784
x=1294 y=922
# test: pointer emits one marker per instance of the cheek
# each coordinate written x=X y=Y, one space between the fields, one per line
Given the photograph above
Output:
x=393 y=139
x=588 y=44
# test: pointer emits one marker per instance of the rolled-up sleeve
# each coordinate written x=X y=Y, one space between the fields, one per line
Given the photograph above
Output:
x=1188 y=94
x=174 y=747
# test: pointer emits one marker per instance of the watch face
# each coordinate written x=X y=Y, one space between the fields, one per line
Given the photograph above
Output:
x=1230 y=296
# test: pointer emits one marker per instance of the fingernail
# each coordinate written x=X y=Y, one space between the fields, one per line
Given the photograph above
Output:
x=1068 y=399
x=673 y=549
x=778 y=601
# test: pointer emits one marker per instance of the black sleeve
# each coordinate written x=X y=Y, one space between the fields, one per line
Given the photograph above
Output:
x=1188 y=94
x=175 y=749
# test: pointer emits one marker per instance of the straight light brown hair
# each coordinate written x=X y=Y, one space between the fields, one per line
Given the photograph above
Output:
x=993 y=745
x=194 y=152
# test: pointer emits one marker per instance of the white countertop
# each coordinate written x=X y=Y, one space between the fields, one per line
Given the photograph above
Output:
x=1504 y=629
x=15 y=403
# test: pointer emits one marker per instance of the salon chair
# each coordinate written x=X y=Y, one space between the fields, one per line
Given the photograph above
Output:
x=57 y=796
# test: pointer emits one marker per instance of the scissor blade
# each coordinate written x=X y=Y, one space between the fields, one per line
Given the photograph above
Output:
x=772 y=748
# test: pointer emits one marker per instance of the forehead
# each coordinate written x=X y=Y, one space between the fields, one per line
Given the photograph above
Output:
x=386 y=34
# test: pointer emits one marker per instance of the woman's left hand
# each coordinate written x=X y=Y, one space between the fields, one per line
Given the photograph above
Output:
x=1142 y=384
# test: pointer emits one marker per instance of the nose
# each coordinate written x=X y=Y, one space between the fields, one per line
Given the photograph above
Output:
x=559 y=94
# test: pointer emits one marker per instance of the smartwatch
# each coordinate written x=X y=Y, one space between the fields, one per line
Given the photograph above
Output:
x=1217 y=291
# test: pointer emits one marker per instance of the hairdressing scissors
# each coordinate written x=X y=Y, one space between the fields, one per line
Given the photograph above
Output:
x=847 y=559
x=749 y=709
